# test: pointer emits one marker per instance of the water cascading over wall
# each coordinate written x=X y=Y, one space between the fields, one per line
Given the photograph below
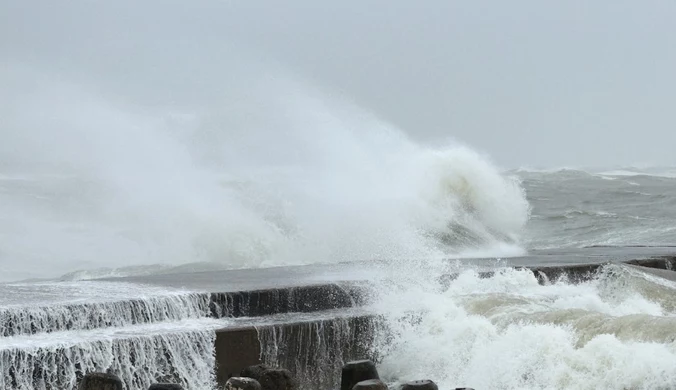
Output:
x=315 y=351
x=182 y=357
x=20 y=320
x=172 y=336
x=143 y=341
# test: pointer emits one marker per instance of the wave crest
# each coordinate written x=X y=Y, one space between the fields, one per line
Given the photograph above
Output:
x=300 y=179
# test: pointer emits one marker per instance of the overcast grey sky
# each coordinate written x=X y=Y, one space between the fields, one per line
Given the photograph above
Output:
x=538 y=83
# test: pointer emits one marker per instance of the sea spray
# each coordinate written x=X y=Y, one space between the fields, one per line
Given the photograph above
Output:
x=302 y=178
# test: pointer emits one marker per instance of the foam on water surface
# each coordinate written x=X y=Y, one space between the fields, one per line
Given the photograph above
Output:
x=509 y=332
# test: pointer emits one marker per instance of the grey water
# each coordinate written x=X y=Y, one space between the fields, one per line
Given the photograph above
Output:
x=577 y=208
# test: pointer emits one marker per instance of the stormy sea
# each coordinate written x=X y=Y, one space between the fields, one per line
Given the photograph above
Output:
x=59 y=233
x=97 y=199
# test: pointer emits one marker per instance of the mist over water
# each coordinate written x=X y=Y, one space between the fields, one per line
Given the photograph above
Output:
x=284 y=175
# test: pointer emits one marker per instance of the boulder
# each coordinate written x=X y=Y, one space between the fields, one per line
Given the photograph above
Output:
x=420 y=385
x=371 y=384
x=357 y=371
x=100 y=381
x=242 y=383
x=165 y=386
x=254 y=372
x=278 y=379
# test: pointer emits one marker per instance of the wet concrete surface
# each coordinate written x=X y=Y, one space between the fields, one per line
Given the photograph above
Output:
x=265 y=283
x=279 y=277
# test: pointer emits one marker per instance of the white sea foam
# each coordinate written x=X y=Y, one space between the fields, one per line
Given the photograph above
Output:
x=509 y=332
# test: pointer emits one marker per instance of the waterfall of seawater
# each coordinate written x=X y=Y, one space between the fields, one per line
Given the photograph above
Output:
x=28 y=320
x=164 y=337
x=184 y=357
x=315 y=351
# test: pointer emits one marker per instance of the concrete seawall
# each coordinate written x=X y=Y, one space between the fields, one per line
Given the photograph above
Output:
x=294 y=345
x=313 y=350
x=308 y=319
x=302 y=299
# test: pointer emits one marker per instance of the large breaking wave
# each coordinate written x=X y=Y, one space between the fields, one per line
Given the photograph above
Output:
x=283 y=176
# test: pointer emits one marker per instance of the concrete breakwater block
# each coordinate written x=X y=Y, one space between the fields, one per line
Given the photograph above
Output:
x=278 y=379
x=357 y=371
x=242 y=383
x=254 y=372
x=100 y=381
x=420 y=385
x=260 y=376
x=371 y=384
x=165 y=386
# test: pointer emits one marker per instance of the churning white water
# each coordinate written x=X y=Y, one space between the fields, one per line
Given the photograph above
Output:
x=617 y=331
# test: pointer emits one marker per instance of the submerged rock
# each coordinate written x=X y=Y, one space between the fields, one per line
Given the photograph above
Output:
x=242 y=383
x=100 y=381
x=278 y=379
x=357 y=371
x=371 y=384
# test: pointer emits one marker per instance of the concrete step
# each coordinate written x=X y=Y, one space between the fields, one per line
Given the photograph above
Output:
x=313 y=346
x=73 y=312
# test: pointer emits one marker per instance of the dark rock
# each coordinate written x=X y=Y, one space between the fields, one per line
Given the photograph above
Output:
x=371 y=384
x=242 y=383
x=254 y=372
x=357 y=371
x=278 y=379
x=165 y=386
x=420 y=385
x=100 y=381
